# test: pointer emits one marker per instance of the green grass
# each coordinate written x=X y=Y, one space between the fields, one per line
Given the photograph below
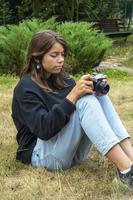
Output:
x=89 y=181
x=123 y=53
x=111 y=73
x=7 y=81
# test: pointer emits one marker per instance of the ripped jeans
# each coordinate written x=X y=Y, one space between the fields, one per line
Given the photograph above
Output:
x=94 y=121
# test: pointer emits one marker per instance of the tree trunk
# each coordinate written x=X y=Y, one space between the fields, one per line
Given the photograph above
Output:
x=72 y=11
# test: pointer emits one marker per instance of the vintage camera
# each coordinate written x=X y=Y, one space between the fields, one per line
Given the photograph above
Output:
x=101 y=86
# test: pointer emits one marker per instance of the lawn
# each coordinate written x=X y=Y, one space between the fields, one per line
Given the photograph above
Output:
x=87 y=181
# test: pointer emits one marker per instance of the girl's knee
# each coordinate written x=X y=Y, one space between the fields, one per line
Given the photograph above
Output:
x=90 y=100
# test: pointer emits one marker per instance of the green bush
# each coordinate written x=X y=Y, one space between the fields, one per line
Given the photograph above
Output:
x=86 y=46
x=14 y=42
x=12 y=48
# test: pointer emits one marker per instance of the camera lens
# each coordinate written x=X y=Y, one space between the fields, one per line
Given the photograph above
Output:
x=102 y=87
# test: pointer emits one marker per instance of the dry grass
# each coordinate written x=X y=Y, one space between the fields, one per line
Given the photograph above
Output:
x=91 y=180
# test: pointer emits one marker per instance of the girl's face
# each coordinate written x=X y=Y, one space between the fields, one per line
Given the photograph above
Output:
x=53 y=60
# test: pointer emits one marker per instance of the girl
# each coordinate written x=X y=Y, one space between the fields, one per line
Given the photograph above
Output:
x=58 y=120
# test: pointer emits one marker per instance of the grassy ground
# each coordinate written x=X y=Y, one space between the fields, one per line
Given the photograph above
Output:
x=123 y=51
x=90 y=180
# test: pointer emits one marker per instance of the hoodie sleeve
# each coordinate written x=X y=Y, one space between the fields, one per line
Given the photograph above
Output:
x=43 y=123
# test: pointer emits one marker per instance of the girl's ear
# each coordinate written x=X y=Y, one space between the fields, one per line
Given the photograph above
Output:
x=38 y=66
x=36 y=60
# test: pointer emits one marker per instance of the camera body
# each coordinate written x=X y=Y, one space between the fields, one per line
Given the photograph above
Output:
x=101 y=86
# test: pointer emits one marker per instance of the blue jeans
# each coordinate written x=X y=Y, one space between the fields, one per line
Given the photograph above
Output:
x=95 y=121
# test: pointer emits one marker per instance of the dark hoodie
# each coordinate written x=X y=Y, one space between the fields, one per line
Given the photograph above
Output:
x=38 y=114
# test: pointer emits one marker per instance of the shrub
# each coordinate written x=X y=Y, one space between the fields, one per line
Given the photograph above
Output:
x=87 y=47
x=12 y=48
x=14 y=42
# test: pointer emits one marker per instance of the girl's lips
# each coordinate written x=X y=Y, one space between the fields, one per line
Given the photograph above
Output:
x=58 y=68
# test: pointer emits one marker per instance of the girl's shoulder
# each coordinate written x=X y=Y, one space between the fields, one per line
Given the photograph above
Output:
x=26 y=84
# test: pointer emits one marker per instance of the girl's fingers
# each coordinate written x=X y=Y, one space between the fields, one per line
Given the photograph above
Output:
x=86 y=77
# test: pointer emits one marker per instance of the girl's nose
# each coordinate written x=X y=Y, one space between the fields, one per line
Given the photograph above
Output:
x=60 y=58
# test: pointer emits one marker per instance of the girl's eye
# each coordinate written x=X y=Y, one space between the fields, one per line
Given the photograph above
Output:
x=53 y=55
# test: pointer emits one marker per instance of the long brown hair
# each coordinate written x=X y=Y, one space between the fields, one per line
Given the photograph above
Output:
x=40 y=44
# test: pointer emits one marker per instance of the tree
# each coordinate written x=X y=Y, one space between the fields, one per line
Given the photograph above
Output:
x=13 y=6
x=5 y=13
x=70 y=10
x=126 y=8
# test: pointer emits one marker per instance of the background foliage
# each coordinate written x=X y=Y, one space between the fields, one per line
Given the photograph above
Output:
x=14 y=11
x=5 y=12
x=86 y=46
x=20 y=19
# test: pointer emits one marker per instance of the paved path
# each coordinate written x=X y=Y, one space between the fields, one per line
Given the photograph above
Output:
x=114 y=63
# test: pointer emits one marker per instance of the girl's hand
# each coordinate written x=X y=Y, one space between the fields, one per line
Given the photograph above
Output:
x=82 y=87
